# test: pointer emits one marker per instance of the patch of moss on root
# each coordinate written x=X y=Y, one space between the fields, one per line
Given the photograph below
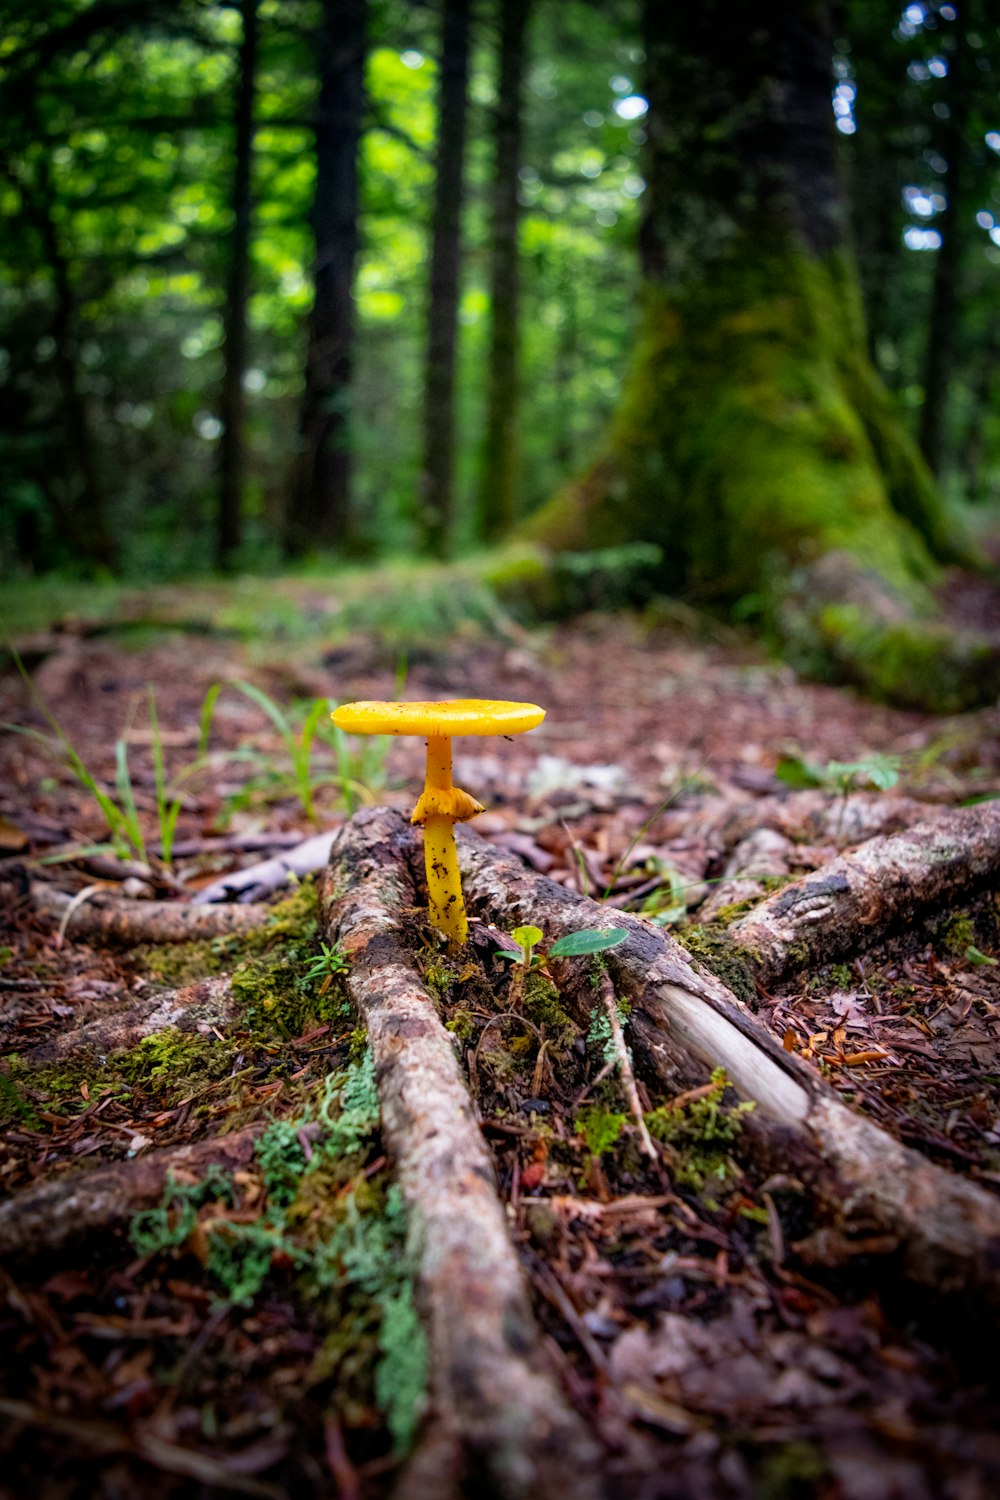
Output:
x=732 y=964
x=293 y=919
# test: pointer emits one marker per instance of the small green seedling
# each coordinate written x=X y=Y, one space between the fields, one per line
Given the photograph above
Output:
x=330 y=961
x=843 y=776
x=573 y=945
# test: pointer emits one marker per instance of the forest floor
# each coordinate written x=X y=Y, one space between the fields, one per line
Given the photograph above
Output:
x=233 y=1337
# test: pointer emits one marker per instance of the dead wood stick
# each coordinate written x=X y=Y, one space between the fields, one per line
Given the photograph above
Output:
x=629 y=1087
x=269 y=874
x=947 y=1229
x=48 y=1216
x=496 y=1403
x=115 y=920
x=861 y=896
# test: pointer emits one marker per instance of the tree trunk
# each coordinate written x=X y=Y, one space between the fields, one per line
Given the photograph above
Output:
x=945 y=301
x=83 y=516
x=754 y=439
x=319 y=511
x=498 y=488
x=438 y=475
x=231 y=450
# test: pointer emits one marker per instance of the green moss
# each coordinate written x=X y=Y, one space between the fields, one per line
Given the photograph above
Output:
x=702 y=1133
x=293 y=920
x=754 y=439
x=462 y=1024
x=600 y=1127
x=909 y=663
x=175 y=1057
x=542 y=1004
x=958 y=934
x=731 y=963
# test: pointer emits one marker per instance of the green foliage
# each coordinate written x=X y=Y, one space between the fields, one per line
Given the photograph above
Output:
x=701 y=1132
x=349 y=1108
x=877 y=770
x=298 y=775
x=572 y=945
x=329 y=962
x=600 y=1127
x=118 y=807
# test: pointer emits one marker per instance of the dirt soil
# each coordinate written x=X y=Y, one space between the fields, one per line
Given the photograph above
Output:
x=714 y=1347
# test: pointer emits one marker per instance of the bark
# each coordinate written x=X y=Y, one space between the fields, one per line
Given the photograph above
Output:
x=495 y=1401
x=946 y=1231
x=865 y=895
x=320 y=507
x=942 y=329
x=84 y=516
x=437 y=479
x=498 y=488
x=79 y=1205
x=231 y=445
x=114 y=920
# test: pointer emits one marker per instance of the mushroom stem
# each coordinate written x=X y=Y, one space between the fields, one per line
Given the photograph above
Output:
x=444 y=883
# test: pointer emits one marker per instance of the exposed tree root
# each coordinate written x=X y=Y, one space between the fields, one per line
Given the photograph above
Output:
x=131 y=922
x=947 y=1230
x=78 y=1205
x=207 y=1001
x=808 y=817
x=496 y=1403
x=863 y=895
x=761 y=856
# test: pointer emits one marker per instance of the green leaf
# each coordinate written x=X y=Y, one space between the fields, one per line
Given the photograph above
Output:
x=594 y=940
x=515 y=957
x=797 y=773
x=527 y=937
x=974 y=956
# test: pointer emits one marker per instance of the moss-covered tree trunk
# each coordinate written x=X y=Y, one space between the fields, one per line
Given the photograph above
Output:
x=754 y=442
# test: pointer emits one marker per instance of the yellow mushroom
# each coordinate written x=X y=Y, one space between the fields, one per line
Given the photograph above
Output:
x=441 y=804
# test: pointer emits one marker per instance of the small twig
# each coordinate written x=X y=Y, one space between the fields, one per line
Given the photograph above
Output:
x=624 y=1062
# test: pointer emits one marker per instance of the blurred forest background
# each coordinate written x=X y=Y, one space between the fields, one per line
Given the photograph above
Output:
x=288 y=279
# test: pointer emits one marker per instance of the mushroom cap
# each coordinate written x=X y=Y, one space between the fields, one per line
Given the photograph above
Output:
x=439 y=720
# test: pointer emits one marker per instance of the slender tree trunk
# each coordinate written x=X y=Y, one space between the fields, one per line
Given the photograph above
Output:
x=320 y=509
x=231 y=448
x=498 y=489
x=83 y=516
x=437 y=477
x=982 y=405
x=946 y=297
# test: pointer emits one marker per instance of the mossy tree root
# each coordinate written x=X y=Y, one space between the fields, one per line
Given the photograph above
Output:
x=884 y=883
x=207 y=1002
x=497 y=1411
x=107 y=919
x=945 y=1230
x=101 y=1201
